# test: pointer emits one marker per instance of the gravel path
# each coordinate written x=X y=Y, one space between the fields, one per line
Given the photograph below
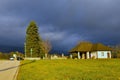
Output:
x=8 y=70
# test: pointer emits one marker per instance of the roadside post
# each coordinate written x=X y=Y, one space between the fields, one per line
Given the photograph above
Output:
x=25 y=49
x=31 y=52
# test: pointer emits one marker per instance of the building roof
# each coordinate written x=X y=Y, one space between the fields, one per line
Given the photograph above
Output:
x=88 y=46
x=100 y=47
x=82 y=46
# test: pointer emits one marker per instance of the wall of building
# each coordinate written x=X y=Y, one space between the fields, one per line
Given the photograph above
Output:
x=102 y=54
x=94 y=55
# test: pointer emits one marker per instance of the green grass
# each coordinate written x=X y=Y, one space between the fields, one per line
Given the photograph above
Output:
x=104 y=69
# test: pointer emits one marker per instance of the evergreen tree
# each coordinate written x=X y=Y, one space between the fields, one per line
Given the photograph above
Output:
x=33 y=41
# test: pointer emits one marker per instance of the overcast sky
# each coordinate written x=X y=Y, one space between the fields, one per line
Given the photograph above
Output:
x=63 y=22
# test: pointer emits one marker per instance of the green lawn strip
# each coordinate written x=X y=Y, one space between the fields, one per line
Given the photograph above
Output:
x=103 y=69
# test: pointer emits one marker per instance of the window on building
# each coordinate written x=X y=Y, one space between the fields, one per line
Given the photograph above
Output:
x=102 y=53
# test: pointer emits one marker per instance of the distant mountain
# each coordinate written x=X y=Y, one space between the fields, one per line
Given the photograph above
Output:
x=7 y=49
x=58 y=51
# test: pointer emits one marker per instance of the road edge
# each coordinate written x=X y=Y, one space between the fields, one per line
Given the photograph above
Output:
x=16 y=73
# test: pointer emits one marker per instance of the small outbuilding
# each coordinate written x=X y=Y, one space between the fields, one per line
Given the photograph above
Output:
x=88 y=50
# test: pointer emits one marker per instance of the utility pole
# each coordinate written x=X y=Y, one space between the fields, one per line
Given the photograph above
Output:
x=25 y=49
x=31 y=52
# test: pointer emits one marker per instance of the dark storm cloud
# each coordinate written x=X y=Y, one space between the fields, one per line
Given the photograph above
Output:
x=64 y=22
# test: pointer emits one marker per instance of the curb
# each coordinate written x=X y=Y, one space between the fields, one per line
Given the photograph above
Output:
x=16 y=73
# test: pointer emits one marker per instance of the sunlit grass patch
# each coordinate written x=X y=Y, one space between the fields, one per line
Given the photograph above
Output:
x=104 y=69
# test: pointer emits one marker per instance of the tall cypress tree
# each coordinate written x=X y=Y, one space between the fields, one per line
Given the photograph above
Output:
x=33 y=41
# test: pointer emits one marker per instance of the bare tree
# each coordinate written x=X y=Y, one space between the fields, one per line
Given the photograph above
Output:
x=116 y=51
x=46 y=47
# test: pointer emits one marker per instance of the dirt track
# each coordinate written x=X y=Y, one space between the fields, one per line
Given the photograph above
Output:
x=8 y=69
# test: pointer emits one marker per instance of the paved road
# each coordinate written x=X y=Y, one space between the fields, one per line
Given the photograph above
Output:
x=8 y=69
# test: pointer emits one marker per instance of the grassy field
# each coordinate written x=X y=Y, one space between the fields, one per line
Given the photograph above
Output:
x=104 y=69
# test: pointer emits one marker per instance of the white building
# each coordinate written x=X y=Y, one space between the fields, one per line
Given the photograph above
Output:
x=87 y=50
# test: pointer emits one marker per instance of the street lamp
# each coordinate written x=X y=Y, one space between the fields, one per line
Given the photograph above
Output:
x=31 y=52
x=25 y=49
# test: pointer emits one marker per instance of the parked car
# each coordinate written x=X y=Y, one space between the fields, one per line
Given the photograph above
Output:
x=12 y=58
x=20 y=58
